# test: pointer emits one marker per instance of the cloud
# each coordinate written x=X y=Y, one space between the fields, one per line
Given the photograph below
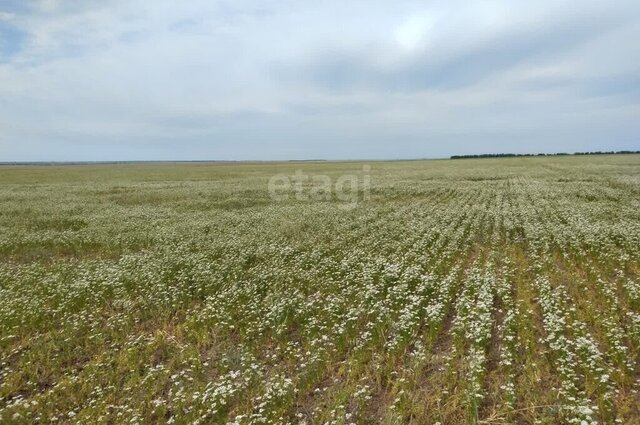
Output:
x=453 y=67
x=267 y=80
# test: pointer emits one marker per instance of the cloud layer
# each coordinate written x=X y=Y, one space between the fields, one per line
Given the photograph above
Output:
x=266 y=80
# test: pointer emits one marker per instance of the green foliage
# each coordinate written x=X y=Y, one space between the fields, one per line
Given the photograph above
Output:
x=491 y=291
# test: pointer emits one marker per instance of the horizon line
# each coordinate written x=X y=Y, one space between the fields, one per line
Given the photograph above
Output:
x=267 y=161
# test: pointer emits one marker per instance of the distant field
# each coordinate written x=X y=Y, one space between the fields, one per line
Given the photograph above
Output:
x=491 y=290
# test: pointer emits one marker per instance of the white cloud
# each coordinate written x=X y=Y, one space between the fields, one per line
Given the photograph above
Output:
x=314 y=79
x=413 y=32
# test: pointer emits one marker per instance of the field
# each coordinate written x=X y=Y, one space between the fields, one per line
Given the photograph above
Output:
x=452 y=291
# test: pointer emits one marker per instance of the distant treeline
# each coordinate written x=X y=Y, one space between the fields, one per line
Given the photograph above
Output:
x=511 y=155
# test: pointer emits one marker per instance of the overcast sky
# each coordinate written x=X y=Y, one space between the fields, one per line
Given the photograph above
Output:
x=243 y=79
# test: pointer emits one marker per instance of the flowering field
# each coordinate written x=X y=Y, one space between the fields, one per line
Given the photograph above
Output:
x=491 y=291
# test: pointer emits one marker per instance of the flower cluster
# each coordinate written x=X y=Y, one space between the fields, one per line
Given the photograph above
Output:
x=456 y=292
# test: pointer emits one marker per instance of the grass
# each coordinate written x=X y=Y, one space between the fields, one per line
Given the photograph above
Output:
x=476 y=291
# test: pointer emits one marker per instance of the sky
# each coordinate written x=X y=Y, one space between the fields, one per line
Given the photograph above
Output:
x=322 y=79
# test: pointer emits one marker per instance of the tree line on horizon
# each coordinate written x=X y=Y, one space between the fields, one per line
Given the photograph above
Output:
x=510 y=155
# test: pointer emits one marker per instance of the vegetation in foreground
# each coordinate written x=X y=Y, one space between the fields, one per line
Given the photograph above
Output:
x=493 y=291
